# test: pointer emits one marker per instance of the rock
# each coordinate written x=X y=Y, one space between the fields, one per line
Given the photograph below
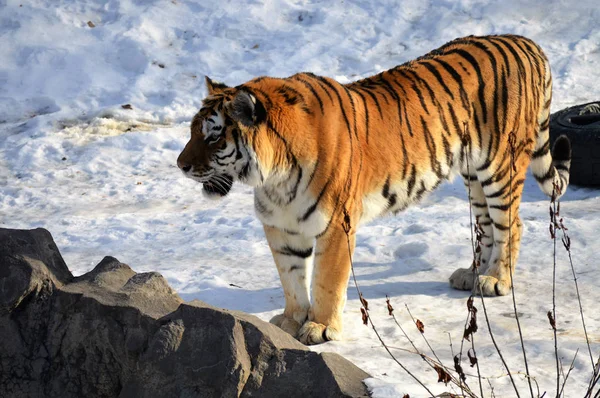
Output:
x=30 y=263
x=113 y=332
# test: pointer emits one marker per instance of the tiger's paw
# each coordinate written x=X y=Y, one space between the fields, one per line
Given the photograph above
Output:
x=462 y=279
x=286 y=324
x=491 y=286
x=316 y=333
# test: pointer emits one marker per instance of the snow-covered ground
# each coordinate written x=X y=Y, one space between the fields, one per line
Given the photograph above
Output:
x=103 y=179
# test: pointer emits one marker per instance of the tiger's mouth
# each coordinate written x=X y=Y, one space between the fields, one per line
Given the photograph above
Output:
x=218 y=185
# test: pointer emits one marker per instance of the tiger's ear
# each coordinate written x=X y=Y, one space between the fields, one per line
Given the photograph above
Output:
x=214 y=87
x=246 y=109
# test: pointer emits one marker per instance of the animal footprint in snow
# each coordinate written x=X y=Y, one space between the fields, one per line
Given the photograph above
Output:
x=411 y=250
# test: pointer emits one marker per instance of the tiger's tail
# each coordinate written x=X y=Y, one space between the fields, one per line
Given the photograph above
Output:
x=550 y=170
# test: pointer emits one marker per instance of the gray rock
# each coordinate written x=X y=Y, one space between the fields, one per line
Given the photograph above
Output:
x=113 y=332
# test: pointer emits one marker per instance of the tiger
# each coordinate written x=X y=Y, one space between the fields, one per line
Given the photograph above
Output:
x=325 y=157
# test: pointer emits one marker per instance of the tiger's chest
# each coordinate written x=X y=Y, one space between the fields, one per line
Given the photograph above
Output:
x=291 y=207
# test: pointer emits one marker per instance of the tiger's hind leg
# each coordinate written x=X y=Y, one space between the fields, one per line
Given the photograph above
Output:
x=293 y=254
x=503 y=189
x=463 y=278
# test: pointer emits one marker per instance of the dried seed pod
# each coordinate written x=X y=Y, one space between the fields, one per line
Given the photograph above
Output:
x=443 y=376
x=420 y=326
x=389 y=306
x=552 y=320
x=365 y=316
x=472 y=357
x=459 y=368
x=364 y=302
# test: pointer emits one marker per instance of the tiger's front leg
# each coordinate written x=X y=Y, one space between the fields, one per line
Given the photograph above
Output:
x=330 y=282
x=293 y=255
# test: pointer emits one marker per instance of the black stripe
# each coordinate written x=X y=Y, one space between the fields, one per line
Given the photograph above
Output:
x=290 y=251
x=440 y=110
x=236 y=139
x=560 y=167
x=549 y=175
x=388 y=87
x=494 y=64
x=439 y=78
x=243 y=174
x=501 y=227
x=464 y=98
x=454 y=118
x=415 y=88
x=478 y=128
x=392 y=200
x=313 y=91
x=261 y=207
x=319 y=81
x=432 y=148
x=405 y=159
x=227 y=155
x=502 y=192
x=481 y=88
x=520 y=66
x=349 y=94
x=289 y=154
x=411 y=182
x=542 y=151
x=313 y=207
x=424 y=83
x=498 y=175
x=420 y=192
x=364 y=101
x=506 y=206
x=386 y=188
x=339 y=97
x=294 y=190
x=498 y=47
x=312 y=175
x=504 y=84
x=373 y=97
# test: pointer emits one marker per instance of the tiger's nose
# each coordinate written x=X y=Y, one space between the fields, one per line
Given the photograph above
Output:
x=184 y=166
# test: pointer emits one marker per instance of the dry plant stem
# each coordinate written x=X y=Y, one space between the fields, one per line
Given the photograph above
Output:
x=458 y=381
x=467 y=148
x=477 y=364
x=432 y=362
x=423 y=335
x=450 y=339
x=409 y=339
x=587 y=339
x=562 y=388
x=594 y=380
x=553 y=226
x=511 y=142
x=492 y=389
x=487 y=321
x=375 y=329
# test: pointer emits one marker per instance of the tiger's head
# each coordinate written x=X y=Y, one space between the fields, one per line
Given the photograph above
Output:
x=219 y=151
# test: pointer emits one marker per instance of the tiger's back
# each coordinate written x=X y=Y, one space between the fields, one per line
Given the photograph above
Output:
x=325 y=151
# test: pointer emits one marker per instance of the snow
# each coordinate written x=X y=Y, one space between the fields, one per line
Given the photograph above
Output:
x=103 y=178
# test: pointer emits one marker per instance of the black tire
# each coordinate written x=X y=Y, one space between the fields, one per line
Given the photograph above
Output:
x=583 y=130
